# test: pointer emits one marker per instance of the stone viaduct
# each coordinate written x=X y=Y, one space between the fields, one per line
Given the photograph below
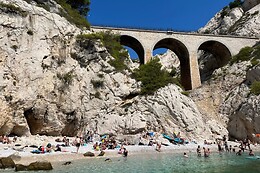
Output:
x=184 y=45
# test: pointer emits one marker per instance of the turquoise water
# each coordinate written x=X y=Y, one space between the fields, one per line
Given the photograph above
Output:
x=164 y=163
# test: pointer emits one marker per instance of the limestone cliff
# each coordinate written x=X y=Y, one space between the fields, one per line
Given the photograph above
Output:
x=227 y=94
x=235 y=22
x=52 y=85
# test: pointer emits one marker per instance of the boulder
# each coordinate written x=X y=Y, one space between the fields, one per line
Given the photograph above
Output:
x=6 y=162
x=89 y=154
x=20 y=167
x=35 y=166
x=102 y=153
x=67 y=163
x=15 y=157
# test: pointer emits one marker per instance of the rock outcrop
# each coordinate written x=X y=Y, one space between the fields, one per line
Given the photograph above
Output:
x=35 y=166
x=53 y=85
x=28 y=42
x=227 y=94
x=235 y=21
x=89 y=154
x=6 y=163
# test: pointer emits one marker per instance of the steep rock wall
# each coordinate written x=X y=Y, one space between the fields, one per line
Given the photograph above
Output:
x=50 y=84
x=235 y=22
x=227 y=93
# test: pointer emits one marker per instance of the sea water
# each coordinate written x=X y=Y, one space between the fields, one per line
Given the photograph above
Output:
x=163 y=163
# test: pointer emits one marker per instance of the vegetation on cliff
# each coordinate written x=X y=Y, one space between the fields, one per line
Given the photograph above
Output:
x=255 y=88
x=81 y=5
x=235 y=3
x=226 y=9
x=153 y=76
x=10 y=8
x=75 y=11
x=247 y=54
x=113 y=46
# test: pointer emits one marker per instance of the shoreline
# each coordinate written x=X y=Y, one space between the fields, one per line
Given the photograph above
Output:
x=59 y=158
x=69 y=154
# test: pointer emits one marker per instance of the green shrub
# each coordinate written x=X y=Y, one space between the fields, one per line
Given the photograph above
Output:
x=60 y=60
x=97 y=95
x=224 y=12
x=97 y=83
x=255 y=88
x=177 y=81
x=173 y=72
x=14 y=47
x=93 y=36
x=112 y=43
x=66 y=78
x=186 y=93
x=254 y=62
x=207 y=31
x=235 y=3
x=152 y=76
x=256 y=52
x=72 y=15
x=100 y=75
x=30 y=32
x=10 y=8
x=81 y=5
x=243 y=55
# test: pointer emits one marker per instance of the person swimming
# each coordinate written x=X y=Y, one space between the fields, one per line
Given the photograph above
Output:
x=251 y=153
x=239 y=153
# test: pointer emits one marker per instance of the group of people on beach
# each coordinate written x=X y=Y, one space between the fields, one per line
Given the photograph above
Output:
x=223 y=146
x=100 y=143
x=6 y=140
x=206 y=151
x=104 y=142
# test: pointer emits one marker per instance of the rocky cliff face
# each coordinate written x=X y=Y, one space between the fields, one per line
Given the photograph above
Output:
x=227 y=94
x=50 y=84
x=235 y=22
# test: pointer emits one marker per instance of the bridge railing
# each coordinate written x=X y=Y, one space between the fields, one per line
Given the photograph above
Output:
x=141 y=28
x=170 y=31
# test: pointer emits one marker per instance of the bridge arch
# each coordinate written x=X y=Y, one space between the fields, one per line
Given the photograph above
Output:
x=220 y=57
x=133 y=43
x=183 y=54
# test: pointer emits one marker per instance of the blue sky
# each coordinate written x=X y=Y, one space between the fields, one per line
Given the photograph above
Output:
x=179 y=15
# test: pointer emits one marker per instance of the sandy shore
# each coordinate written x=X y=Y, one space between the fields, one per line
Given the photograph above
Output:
x=69 y=153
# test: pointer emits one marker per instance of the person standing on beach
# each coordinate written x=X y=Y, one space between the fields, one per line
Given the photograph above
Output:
x=158 y=146
x=199 y=151
x=206 y=152
x=77 y=141
x=219 y=147
x=125 y=152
